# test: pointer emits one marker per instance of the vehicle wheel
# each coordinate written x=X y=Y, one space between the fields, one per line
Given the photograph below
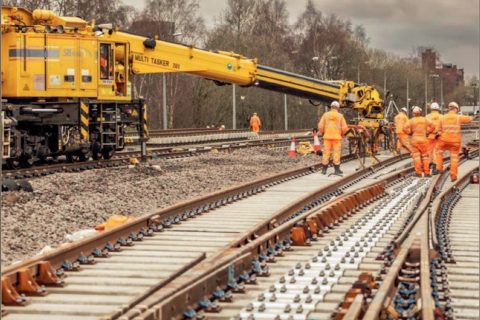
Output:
x=13 y=164
x=72 y=157
x=42 y=154
x=83 y=156
x=25 y=161
x=96 y=152
x=107 y=153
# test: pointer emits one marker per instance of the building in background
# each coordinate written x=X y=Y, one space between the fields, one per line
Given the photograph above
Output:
x=448 y=74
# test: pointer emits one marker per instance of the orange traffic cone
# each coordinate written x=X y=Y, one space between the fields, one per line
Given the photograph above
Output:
x=316 y=143
x=292 y=153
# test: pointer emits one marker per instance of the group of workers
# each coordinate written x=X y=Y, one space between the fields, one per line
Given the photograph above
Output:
x=431 y=136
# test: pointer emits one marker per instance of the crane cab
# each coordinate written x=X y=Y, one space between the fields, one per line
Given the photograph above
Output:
x=113 y=75
x=64 y=66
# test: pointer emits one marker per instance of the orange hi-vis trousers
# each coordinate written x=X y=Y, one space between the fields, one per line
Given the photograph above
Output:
x=421 y=157
x=331 y=146
x=454 y=149
x=402 y=141
x=432 y=149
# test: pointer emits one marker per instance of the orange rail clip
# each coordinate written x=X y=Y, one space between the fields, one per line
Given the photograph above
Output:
x=46 y=275
x=28 y=285
x=10 y=296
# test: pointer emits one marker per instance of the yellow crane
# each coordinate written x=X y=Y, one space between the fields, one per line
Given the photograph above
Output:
x=67 y=84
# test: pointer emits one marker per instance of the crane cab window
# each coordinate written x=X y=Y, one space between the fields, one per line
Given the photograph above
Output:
x=106 y=63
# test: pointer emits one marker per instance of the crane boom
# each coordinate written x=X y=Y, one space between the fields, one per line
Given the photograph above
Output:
x=149 y=55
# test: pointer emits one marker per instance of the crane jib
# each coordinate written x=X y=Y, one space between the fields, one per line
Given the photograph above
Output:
x=298 y=76
x=319 y=96
x=295 y=84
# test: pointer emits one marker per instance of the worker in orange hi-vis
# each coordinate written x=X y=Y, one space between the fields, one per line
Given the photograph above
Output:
x=402 y=138
x=434 y=116
x=332 y=127
x=419 y=128
x=255 y=123
x=450 y=138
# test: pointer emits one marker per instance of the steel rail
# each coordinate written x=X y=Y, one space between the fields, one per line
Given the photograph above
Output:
x=174 y=305
x=155 y=219
x=415 y=236
x=335 y=187
x=446 y=204
x=142 y=225
x=122 y=159
x=166 y=307
x=427 y=201
x=436 y=206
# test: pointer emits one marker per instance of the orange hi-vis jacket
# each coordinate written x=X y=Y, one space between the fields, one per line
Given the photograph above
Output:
x=450 y=126
x=255 y=122
x=400 y=120
x=419 y=128
x=435 y=118
x=332 y=125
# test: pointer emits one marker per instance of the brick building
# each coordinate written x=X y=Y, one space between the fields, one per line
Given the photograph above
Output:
x=451 y=76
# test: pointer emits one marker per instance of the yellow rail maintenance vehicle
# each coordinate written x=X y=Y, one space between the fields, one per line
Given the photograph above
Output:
x=67 y=84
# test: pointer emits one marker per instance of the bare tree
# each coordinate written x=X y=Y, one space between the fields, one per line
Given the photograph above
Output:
x=29 y=4
x=189 y=27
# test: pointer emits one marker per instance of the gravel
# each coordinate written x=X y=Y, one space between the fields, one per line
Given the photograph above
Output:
x=63 y=203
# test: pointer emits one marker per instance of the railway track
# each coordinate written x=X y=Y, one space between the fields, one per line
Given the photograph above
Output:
x=182 y=131
x=221 y=136
x=122 y=158
x=409 y=286
x=161 y=256
x=312 y=280
x=455 y=272
x=394 y=256
x=356 y=229
x=203 y=131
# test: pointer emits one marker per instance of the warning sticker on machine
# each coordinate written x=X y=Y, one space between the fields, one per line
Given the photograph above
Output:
x=55 y=80
x=39 y=81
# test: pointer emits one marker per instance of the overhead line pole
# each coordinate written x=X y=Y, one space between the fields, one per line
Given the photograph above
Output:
x=164 y=98
x=234 y=108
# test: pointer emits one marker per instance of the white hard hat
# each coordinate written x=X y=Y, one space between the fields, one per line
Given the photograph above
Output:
x=335 y=104
x=434 y=106
x=453 y=105
x=404 y=110
x=416 y=109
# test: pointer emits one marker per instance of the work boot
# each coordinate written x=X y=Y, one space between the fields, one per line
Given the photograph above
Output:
x=324 y=169
x=337 y=169
x=434 y=171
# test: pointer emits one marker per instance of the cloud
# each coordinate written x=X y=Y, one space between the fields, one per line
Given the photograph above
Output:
x=452 y=27
x=398 y=26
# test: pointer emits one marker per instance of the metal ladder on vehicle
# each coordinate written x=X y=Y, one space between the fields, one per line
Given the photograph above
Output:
x=6 y=131
x=109 y=130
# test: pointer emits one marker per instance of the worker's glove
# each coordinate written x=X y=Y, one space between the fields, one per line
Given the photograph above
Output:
x=437 y=135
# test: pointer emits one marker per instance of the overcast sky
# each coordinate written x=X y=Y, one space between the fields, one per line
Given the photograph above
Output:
x=398 y=26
